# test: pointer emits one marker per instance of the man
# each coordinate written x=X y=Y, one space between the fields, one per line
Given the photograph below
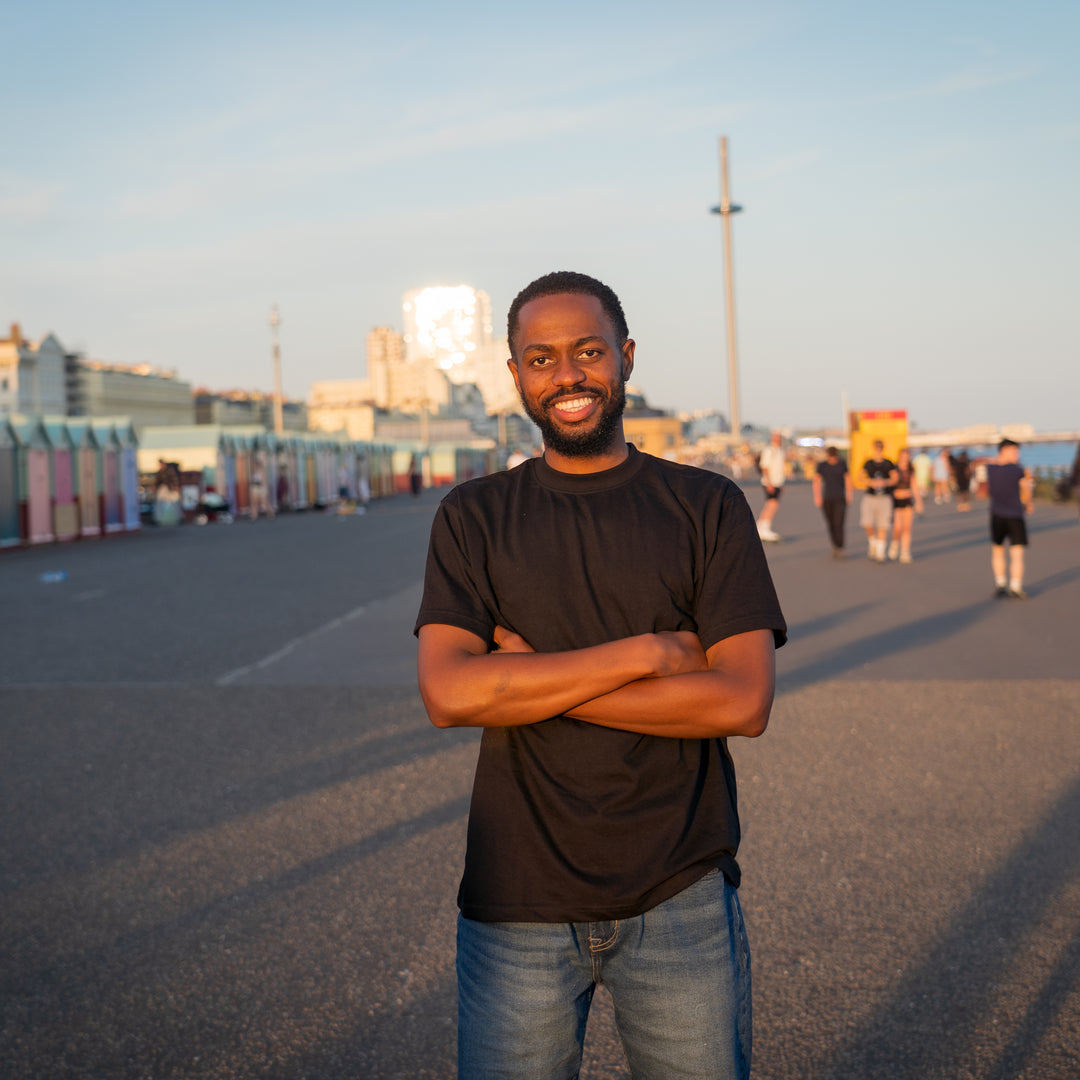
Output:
x=1011 y=489
x=832 y=494
x=875 y=511
x=608 y=618
x=772 y=466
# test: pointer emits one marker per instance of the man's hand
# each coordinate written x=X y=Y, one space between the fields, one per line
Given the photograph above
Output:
x=680 y=653
x=506 y=641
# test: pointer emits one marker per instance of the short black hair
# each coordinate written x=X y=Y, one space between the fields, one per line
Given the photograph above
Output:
x=568 y=281
x=1006 y=442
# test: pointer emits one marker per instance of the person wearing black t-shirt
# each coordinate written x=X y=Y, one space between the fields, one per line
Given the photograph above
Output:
x=832 y=494
x=609 y=620
x=1011 y=488
x=876 y=509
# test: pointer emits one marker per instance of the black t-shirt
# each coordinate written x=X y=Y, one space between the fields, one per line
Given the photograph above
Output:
x=571 y=821
x=832 y=475
x=1004 y=484
x=877 y=470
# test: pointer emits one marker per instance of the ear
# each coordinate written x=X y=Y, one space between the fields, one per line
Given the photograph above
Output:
x=512 y=365
x=628 y=357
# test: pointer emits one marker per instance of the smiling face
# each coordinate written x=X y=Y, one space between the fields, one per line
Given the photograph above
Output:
x=570 y=372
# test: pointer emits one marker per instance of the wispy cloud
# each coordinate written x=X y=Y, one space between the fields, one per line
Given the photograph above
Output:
x=24 y=201
x=966 y=81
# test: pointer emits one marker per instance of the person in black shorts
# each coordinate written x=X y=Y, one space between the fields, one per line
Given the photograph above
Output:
x=907 y=502
x=1010 y=486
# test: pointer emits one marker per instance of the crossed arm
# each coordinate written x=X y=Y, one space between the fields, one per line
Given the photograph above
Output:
x=653 y=684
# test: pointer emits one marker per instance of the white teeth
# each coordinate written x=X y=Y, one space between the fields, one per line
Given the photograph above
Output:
x=573 y=403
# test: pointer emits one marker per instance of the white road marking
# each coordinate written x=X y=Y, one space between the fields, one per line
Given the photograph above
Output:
x=288 y=647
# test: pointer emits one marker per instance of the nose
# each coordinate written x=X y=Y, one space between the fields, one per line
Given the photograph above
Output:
x=568 y=373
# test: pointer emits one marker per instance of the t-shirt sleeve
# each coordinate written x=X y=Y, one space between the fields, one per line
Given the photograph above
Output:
x=451 y=595
x=736 y=593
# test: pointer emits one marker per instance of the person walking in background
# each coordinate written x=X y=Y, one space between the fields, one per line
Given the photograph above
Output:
x=961 y=470
x=608 y=618
x=907 y=501
x=875 y=510
x=283 y=489
x=1011 y=490
x=832 y=495
x=416 y=476
x=941 y=477
x=260 y=500
x=924 y=466
x=773 y=473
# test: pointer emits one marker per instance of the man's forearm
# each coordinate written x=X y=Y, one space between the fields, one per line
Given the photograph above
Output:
x=734 y=697
x=464 y=685
x=698 y=705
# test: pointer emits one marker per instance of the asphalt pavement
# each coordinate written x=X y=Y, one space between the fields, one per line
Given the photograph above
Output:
x=231 y=839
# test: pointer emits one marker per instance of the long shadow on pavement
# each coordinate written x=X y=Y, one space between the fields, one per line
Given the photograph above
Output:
x=885 y=643
x=930 y=1022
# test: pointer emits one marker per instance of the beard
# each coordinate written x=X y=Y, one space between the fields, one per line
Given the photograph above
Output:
x=589 y=442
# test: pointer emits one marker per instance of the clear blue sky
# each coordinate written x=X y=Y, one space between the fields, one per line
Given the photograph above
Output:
x=910 y=175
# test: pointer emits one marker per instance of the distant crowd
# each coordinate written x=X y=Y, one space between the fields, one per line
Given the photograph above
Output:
x=895 y=492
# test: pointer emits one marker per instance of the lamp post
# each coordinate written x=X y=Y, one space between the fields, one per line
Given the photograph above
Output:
x=279 y=420
x=725 y=210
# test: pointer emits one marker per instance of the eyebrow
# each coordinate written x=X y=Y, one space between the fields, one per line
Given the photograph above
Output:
x=551 y=348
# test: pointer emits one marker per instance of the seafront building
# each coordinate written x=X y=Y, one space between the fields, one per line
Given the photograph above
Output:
x=33 y=375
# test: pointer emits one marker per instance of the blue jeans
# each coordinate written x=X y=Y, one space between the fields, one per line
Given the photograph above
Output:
x=679 y=977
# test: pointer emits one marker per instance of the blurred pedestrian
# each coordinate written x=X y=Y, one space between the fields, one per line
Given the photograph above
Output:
x=924 y=466
x=875 y=510
x=1011 y=491
x=283 y=489
x=832 y=494
x=515 y=458
x=940 y=474
x=961 y=470
x=416 y=476
x=773 y=473
x=907 y=502
x=260 y=502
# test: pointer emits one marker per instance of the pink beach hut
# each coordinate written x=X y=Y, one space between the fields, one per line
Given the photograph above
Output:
x=86 y=476
x=35 y=497
x=65 y=507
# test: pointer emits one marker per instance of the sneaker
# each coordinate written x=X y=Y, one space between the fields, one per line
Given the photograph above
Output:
x=1018 y=594
x=767 y=534
x=894 y=549
x=1001 y=592
x=905 y=556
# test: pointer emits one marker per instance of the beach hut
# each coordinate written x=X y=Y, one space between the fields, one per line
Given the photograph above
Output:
x=298 y=482
x=65 y=505
x=283 y=493
x=110 y=449
x=35 y=495
x=86 y=476
x=128 y=469
x=10 y=533
x=242 y=451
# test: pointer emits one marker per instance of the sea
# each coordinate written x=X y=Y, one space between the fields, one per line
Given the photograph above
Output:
x=1049 y=456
